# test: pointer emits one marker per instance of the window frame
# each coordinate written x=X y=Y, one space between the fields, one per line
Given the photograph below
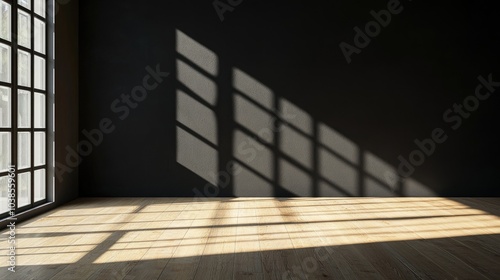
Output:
x=48 y=19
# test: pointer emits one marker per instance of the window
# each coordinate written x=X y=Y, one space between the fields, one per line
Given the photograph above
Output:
x=24 y=99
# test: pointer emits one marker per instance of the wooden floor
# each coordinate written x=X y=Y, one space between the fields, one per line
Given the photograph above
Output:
x=253 y=238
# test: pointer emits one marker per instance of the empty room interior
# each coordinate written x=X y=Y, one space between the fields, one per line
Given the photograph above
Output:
x=238 y=139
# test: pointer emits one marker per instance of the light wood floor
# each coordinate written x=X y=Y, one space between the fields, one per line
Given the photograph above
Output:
x=243 y=238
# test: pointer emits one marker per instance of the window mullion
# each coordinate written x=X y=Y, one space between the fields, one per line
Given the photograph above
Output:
x=14 y=89
x=32 y=76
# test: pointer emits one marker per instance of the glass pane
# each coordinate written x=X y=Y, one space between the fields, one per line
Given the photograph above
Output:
x=4 y=200
x=5 y=103
x=39 y=116
x=39 y=73
x=23 y=109
x=24 y=69
x=23 y=189
x=39 y=148
x=4 y=63
x=24 y=3
x=24 y=29
x=40 y=7
x=39 y=184
x=39 y=36
x=4 y=20
x=23 y=150
x=5 y=148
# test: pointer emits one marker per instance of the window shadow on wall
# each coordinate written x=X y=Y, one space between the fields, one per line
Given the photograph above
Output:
x=244 y=139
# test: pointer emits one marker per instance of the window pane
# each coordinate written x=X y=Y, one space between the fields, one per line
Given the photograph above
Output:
x=39 y=148
x=24 y=29
x=23 y=109
x=39 y=185
x=25 y=3
x=23 y=150
x=23 y=189
x=39 y=73
x=39 y=116
x=4 y=200
x=4 y=63
x=39 y=36
x=5 y=103
x=4 y=20
x=24 y=69
x=5 y=147
x=40 y=7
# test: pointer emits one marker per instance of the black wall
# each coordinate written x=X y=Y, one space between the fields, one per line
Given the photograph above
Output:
x=395 y=91
x=66 y=97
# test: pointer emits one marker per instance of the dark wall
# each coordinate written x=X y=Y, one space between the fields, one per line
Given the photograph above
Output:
x=66 y=97
x=394 y=91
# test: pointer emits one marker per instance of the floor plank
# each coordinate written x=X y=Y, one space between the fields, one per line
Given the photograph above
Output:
x=260 y=238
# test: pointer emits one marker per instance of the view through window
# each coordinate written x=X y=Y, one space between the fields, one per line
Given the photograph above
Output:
x=24 y=98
